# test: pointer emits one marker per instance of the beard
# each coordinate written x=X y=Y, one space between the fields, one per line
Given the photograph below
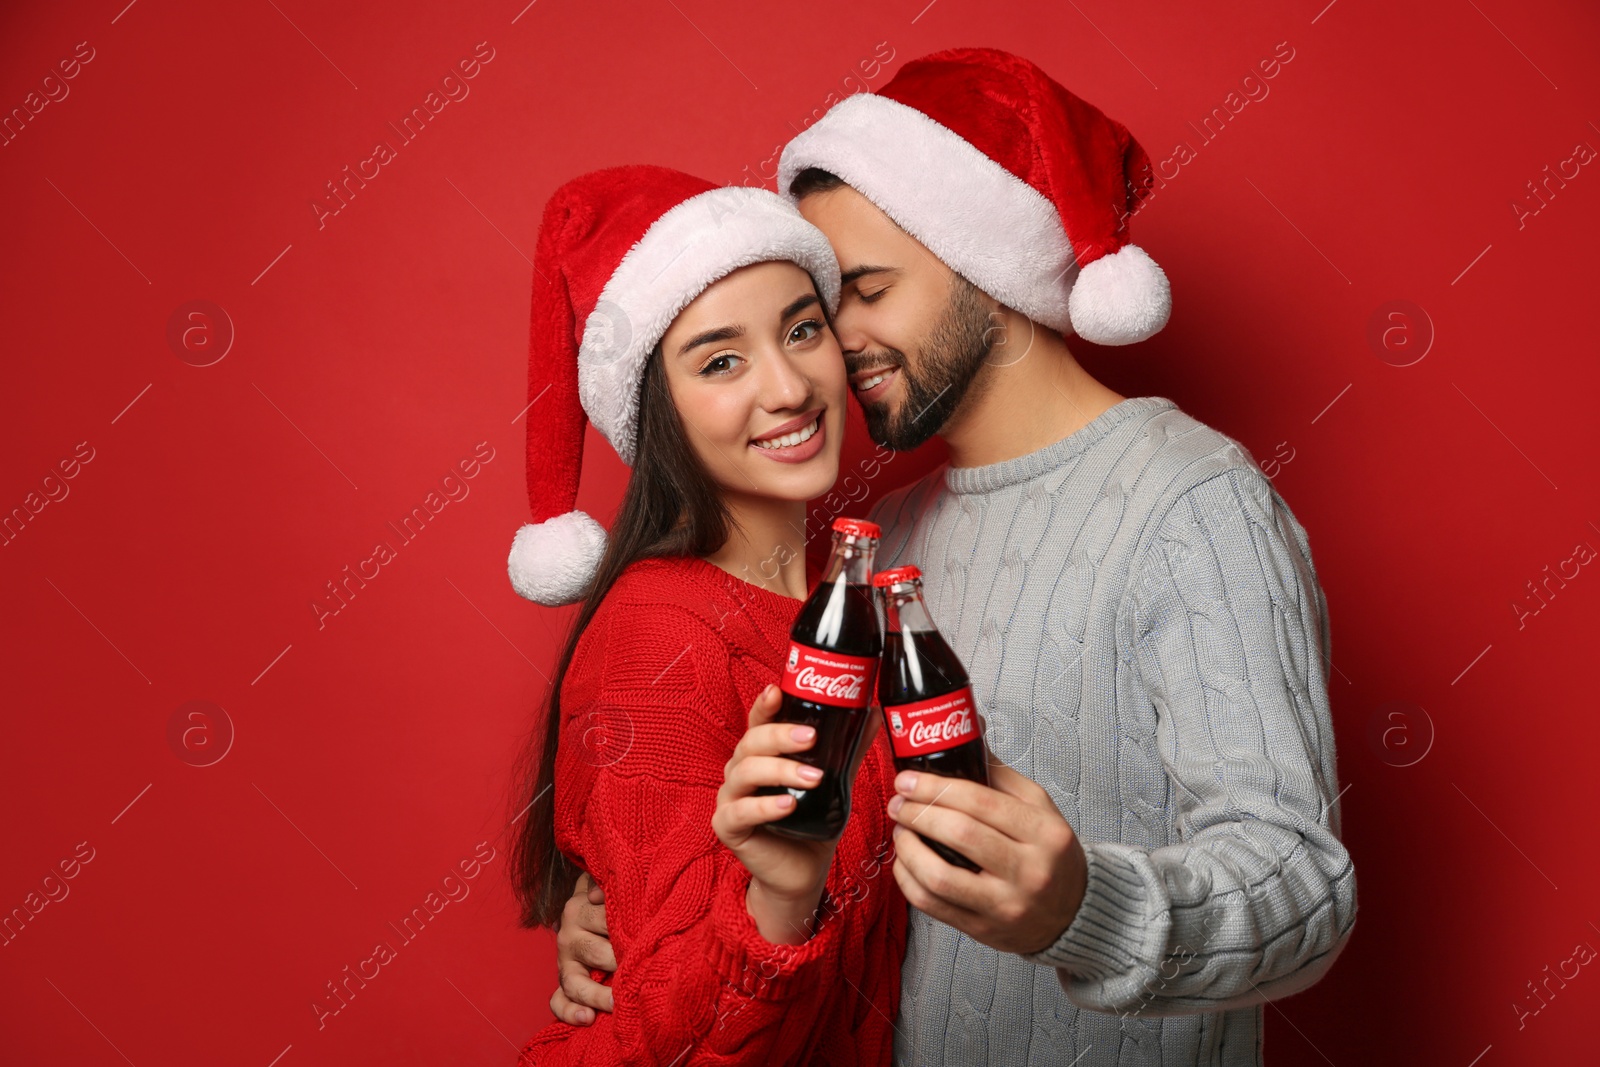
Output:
x=948 y=360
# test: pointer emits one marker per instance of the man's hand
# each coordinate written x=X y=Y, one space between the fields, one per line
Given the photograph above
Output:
x=1034 y=871
x=581 y=943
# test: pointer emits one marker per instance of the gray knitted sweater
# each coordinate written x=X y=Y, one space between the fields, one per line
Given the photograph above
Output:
x=1145 y=634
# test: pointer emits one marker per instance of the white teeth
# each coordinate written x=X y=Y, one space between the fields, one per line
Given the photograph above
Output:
x=789 y=440
x=874 y=380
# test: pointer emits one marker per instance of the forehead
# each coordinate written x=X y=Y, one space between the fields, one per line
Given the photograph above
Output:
x=858 y=230
x=750 y=296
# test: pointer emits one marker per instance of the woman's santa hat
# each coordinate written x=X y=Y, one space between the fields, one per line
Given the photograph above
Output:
x=1019 y=186
x=621 y=251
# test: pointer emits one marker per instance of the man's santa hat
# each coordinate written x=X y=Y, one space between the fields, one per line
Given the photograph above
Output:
x=621 y=251
x=1016 y=184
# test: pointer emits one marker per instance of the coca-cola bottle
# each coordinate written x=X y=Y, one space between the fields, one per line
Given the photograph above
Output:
x=828 y=681
x=927 y=704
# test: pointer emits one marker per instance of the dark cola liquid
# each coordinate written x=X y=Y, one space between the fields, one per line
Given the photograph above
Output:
x=941 y=673
x=820 y=812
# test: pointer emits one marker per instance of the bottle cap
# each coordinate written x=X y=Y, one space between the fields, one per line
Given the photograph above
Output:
x=858 y=527
x=896 y=576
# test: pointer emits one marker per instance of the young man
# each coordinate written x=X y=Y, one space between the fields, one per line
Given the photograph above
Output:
x=1134 y=602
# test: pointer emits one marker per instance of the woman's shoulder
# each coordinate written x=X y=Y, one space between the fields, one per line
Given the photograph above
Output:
x=655 y=600
x=676 y=611
x=676 y=585
x=673 y=592
x=649 y=612
x=657 y=683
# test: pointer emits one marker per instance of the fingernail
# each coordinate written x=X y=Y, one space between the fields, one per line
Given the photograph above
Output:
x=896 y=803
x=786 y=801
x=905 y=781
x=802 y=733
x=811 y=774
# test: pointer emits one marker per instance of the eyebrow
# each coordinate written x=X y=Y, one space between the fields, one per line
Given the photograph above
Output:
x=798 y=304
x=728 y=333
x=860 y=272
x=711 y=337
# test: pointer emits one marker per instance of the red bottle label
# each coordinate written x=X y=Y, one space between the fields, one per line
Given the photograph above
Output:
x=829 y=677
x=932 y=725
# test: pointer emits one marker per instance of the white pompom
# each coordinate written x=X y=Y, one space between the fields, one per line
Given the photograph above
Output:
x=552 y=562
x=1120 y=298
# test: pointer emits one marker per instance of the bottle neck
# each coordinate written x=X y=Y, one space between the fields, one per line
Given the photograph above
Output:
x=851 y=561
x=905 y=611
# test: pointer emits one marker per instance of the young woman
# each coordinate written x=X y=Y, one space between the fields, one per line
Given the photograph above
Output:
x=689 y=324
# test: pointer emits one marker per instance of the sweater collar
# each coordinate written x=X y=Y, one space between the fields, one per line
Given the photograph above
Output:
x=747 y=591
x=993 y=476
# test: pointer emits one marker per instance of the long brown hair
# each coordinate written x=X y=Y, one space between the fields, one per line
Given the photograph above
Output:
x=671 y=507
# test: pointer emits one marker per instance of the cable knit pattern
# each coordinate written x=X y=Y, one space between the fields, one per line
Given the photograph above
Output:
x=1145 y=634
x=657 y=697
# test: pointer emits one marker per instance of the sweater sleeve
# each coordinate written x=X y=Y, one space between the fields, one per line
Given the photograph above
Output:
x=696 y=982
x=1257 y=896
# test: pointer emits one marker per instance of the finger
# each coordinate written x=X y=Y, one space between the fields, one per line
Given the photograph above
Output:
x=749 y=774
x=594 y=952
x=592 y=917
x=979 y=842
x=921 y=882
x=570 y=1011
x=955 y=886
x=763 y=736
x=774 y=739
x=1006 y=813
x=596 y=894
x=581 y=989
x=739 y=818
x=766 y=705
x=569 y=913
x=1025 y=789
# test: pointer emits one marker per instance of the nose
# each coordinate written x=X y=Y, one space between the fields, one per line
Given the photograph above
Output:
x=847 y=328
x=786 y=387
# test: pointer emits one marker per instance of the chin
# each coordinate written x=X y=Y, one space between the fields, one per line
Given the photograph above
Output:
x=799 y=482
x=816 y=481
x=879 y=418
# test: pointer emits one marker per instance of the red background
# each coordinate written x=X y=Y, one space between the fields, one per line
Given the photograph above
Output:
x=373 y=352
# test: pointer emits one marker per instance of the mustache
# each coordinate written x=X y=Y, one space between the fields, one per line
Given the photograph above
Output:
x=855 y=362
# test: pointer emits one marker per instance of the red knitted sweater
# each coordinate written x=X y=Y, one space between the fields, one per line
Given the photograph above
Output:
x=657 y=696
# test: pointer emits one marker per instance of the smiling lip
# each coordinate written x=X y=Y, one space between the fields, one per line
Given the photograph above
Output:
x=877 y=391
x=800 y=453
x=791 y=426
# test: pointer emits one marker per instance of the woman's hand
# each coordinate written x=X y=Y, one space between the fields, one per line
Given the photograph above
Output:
x=787 y=875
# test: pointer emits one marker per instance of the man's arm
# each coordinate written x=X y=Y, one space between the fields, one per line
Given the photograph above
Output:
x=582 y=946
x=1258 y=898
x=583 y=943
x=700 y=979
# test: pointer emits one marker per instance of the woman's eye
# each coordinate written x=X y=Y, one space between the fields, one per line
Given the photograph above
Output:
x=719 y=364
x=804 y=331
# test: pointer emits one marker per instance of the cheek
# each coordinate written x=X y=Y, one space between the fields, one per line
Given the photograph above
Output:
x=918 y=317
x=715 y=420
x=829 y=375
x=898 y=327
